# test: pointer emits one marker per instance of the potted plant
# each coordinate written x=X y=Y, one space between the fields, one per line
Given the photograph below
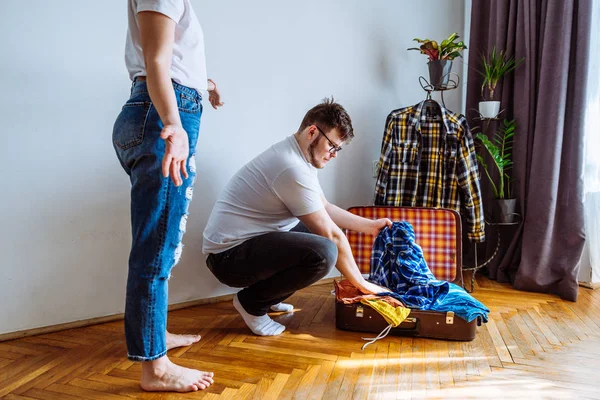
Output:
x=495 y=65
x=440 y=57
x=500 y=150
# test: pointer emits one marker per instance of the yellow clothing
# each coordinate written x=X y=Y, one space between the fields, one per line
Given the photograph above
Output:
x=393 y=315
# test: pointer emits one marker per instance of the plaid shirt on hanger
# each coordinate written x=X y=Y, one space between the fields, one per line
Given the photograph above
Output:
x=430 y=162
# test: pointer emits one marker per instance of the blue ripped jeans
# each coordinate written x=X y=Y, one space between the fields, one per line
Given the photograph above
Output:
x=158 y=214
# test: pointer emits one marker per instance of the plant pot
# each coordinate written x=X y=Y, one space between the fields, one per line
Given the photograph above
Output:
x=439 y=73
x=505 y=210
x=489 y=109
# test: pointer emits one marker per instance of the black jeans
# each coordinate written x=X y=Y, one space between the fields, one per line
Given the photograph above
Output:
x=271 y=267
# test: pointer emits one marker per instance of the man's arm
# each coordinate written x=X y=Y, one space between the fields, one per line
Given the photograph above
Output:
x=320 y=223
x=347 y=220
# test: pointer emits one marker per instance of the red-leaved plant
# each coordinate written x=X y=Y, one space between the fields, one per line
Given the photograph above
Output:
x=449 y=49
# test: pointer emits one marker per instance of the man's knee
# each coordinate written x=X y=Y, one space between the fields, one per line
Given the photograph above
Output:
x=327 y=254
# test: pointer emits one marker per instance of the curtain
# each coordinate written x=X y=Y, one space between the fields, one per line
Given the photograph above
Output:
x=546 y=96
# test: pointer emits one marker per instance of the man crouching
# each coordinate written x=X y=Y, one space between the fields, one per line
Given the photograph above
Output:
x=272 y=232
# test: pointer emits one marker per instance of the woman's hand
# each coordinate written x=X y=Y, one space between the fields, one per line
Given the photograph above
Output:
x=176 y=153
x=213 y=95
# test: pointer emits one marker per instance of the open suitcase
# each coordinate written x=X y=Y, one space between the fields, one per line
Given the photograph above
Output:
x=438 y=232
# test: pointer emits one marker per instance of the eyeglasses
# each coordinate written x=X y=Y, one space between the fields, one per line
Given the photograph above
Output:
x=334 y=147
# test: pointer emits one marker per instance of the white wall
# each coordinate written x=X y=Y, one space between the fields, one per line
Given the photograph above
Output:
x=64 y=215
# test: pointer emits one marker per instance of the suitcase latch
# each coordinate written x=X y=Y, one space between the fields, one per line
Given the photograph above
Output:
x=359 y=311
x=450 y=317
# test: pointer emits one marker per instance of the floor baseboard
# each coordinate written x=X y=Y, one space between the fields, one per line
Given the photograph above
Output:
x=115 y=317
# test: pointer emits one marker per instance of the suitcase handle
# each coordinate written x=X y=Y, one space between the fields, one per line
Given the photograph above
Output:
x=415 y=329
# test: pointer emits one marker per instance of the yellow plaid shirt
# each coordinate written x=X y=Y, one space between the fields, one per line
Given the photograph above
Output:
x=430 y=161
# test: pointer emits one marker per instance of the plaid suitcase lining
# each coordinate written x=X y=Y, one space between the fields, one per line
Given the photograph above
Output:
x=435 y=231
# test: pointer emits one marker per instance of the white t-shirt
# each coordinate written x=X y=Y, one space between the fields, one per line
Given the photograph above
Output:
x=266 y=195
x=188 y=65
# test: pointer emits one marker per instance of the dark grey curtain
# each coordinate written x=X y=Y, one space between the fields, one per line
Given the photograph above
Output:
x=546 y=96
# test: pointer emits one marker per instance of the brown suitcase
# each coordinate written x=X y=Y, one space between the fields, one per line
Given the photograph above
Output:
x=438 y=232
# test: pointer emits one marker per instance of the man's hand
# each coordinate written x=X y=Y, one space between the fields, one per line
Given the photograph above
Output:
x=176 y=153
x=370 y=288
x=214 y=97
x=379 y=224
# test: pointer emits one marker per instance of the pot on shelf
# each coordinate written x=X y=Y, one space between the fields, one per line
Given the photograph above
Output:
x=505 y=210
x=489 y=109
x=439 y=73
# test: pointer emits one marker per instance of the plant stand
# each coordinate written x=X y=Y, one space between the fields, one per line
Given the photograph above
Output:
x=453 y=81
x=476 y=267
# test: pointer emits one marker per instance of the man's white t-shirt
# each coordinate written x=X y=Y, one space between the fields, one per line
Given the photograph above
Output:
x=266 y=195
x=188 y=65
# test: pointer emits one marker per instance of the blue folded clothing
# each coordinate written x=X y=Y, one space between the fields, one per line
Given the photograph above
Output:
x=397 y=263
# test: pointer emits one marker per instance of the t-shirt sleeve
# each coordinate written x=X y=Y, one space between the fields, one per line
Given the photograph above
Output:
x=299 y=191
x=171 y=8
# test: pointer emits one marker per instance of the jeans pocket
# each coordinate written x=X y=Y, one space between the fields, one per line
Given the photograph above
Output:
x=189 y=104
x=130 y=124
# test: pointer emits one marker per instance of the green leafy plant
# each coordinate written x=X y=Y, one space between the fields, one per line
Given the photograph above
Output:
x=496 y=64
x=500 y=149
x=449 y=49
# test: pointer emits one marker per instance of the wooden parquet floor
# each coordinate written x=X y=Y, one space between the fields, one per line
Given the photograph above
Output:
x=534 y=346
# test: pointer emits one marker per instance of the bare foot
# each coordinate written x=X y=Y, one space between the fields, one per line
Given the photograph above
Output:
x=174 y=340
x=162 y=375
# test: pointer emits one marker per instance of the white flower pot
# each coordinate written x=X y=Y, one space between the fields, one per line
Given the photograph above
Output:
x=489 y=109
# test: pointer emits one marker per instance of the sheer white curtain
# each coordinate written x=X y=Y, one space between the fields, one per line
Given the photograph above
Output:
x=590 y=265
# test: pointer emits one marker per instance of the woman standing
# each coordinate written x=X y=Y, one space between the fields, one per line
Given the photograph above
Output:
x=155 y=138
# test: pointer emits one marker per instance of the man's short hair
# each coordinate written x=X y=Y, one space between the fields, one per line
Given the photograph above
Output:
x=329 y=115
